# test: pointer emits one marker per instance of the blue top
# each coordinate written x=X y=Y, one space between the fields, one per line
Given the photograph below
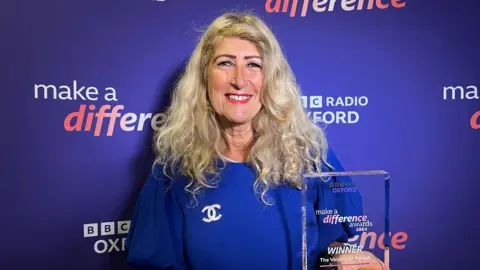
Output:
x=230 y=228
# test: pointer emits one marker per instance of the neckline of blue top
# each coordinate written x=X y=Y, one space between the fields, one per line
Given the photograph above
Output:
x=230 y=160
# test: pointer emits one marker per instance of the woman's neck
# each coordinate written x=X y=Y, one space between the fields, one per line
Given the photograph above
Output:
x=238 y=140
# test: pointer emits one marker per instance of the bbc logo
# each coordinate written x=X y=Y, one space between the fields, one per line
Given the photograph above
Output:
x=312 y=102
x=106 y=228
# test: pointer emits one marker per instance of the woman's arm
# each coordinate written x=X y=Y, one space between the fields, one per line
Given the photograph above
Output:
x=155 y=237
x=346 y=203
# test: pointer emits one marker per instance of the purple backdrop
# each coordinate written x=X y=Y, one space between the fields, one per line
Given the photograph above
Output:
x=397 y=61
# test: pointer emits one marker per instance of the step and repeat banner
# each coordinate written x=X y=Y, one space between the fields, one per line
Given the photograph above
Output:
x=85 y=84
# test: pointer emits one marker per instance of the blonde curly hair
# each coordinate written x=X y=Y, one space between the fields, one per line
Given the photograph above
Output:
x=287 y=143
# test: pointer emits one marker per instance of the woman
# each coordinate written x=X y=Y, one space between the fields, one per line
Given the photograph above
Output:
x=224 y=192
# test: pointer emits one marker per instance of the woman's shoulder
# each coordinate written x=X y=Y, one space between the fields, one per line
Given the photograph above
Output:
x=332 y=157
x=331 y=162
x=164 y=178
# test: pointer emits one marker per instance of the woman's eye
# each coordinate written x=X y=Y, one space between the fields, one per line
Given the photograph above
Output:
x=255 y=65
x=225 y=63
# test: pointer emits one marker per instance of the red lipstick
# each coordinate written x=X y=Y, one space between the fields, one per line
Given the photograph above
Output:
x=238 y=98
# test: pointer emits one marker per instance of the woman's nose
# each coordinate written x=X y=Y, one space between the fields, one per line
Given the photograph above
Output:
x=239 y=81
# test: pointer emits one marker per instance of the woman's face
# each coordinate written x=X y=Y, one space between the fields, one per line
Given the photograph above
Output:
x=235 y=78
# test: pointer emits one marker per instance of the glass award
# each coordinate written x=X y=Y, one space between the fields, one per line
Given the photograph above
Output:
x=354 y=204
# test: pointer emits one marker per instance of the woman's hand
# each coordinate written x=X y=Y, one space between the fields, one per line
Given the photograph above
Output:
x=363 y=260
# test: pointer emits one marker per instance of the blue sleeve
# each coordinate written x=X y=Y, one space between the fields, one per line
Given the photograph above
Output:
x=154 y=240
x=346 y=203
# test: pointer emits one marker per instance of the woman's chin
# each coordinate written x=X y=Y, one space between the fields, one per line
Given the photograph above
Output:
x=238 y=120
